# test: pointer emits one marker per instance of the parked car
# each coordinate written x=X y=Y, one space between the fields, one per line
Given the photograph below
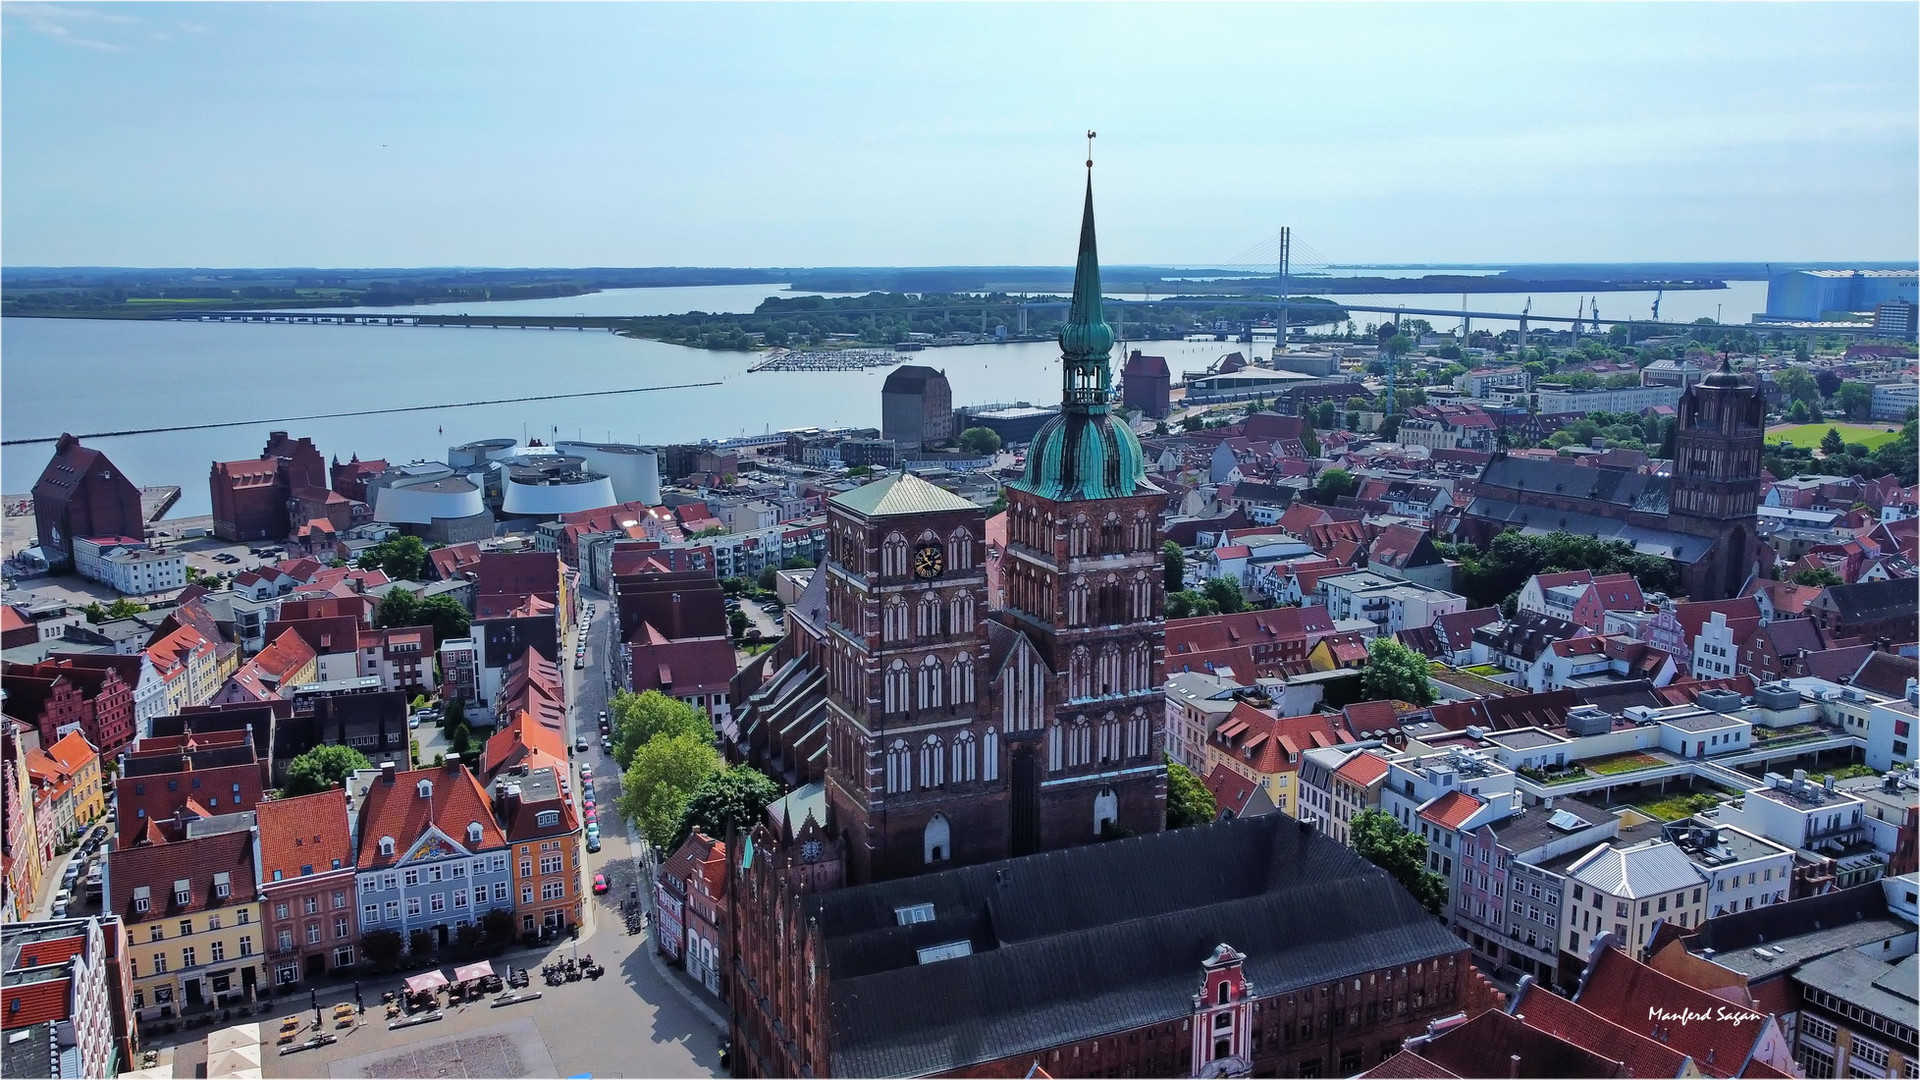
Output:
x=586 y=774
x=578 y=663
x=599 y=883
x=593 y=841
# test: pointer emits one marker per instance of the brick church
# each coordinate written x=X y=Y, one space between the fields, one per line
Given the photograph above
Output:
x=1702 y=518
x=979 y=799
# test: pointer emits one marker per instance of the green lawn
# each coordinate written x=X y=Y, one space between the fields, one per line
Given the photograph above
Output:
x=1624 y=763
x=1808 y=436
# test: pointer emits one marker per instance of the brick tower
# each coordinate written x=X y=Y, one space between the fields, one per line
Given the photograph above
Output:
x=1716 y=479
x=1083 y=586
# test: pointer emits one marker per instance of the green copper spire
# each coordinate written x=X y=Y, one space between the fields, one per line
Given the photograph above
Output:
x=1086 y=452
x=1086 y=338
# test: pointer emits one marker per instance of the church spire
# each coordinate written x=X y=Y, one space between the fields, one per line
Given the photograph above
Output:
x=1086 y=340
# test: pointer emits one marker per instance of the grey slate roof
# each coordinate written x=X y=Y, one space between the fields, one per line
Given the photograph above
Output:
x=1538 y=521
x=1073 y=944
x=1798 y=931
x=1886 y=989
x=1638 y=491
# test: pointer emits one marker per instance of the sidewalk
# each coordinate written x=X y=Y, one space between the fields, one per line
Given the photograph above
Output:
x=695 y=994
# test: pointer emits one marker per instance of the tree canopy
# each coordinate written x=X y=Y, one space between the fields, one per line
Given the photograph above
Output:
x=1224 y=594
x=1332 y=484
x=980 y=441
x=736 y=794
x=1387 y=844
x=324 y=767
x=403 y=558
x=1173 y=564
x=448 y=618
x=1395 y=673
x=1188 y=800
x=638 y=718
x=1818 y=576
x=1487 y=578
x=663 y=776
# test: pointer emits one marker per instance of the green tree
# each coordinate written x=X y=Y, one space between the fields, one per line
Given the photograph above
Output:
x=1797 y=412
x=381 y=948
x=1310 y=440
x=1798 y=384
x=324 y=767
x=1332 y=484
x=980 y=441
x=639 y=718
x=403 y=558
x=456 y=711
x=460 y=741
x=1800 y=351
x=1326 y=415
x=1831 y=444
x=664 y=773
x=1855 y=399
x=1188 y=604
x=448 y=617
x=1224 y=594
x=737 y=623
x=1395 y=673
x=1387 y=844
x=1817 y=576
x=859 y=470
x=736 y=794
x=1188 y=800
x=400 y=607
x=767 y=579
x=1173 y=567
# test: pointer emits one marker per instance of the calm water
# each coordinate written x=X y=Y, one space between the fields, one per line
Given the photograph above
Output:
x=86 y=375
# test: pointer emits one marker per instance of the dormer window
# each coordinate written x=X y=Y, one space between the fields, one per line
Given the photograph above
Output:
x=547 y=818
x=182 y=893
x=473 y=832
x=917 y=913
x=222 y=885
x=386 y=845
x=142 y=900
x=425 y=789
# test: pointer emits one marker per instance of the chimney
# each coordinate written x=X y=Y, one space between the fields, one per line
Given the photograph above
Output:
x=1513 y=1067
x=387 y=769
x=453 y=762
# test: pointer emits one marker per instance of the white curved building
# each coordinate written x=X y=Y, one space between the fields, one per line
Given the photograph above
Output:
x=634 y=470
x=420 y=502
x=547 y=485
x=481 y=453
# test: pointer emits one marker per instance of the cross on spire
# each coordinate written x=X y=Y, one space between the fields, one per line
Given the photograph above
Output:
x=1090 y=137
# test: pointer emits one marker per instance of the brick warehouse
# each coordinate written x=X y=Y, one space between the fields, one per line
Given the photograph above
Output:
x=1102 y=960
x=933 y=899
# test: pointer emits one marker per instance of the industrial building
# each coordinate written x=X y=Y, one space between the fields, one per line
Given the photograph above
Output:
x=1018 y=422
x=1810 y=295
x=634 y=470
x=916 y=407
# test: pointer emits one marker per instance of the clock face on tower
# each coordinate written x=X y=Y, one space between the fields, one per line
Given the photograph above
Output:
x=929 y=562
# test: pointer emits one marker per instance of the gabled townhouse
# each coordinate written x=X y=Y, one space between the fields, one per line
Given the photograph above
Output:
x=188 y=664
x=430 y=855
x=135 y=670
x=1517 y=643
x=272 y=673
x=217 y=771
x=1724 y=1038
x=1503 y=904
x=1337 y=783
x=334 y=640
x=1586 y=661
x=695 y=880
x=542 y=829
x=307 y=886
x=79 y=767
x=25 y=854
x=1579 y=597
x=1197 y=702
x=58 y=695
x=191 y=906
x=1407 y=553
x=1266 y=749
x=400 y=657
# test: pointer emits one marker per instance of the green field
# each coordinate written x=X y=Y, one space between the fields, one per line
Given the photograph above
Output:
x=1808 y=436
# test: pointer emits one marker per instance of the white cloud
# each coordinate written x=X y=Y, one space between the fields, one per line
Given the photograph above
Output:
x=68 y=24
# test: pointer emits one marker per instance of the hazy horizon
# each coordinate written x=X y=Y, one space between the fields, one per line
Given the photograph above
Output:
x=495 y=136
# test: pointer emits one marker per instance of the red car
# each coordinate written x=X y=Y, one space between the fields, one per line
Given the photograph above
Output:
x=599 y=883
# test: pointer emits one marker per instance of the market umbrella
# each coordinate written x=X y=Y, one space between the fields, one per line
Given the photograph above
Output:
x=426 y=982
x=237 y=1037
x=230 y=1063
x=472 y=972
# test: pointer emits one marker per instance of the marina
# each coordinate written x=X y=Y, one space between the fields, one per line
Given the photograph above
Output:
x=824 y=360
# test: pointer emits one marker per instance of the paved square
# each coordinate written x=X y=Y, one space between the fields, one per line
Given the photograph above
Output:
x=514 y=1049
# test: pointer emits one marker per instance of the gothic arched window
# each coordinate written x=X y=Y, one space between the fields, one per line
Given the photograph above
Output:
x=898 y=682
x=933 y=763
x=963 y=759
x=931 y=696
x=990 y=755
x=1080 y=673
x=960 y=689
x=899 y=767
x=893 y=555
x=960 y=550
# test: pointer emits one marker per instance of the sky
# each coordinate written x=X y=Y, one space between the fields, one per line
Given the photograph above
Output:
x=714 y=134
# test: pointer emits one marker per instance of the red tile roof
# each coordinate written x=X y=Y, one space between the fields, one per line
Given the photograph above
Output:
x=1269 y=744
x=156 y=867
x=1362 y=769
x=1452 y=810
x=38 y=1001
x=1231 y=791
x=396 y=809
x=1546 y=1011
x=309 y=834
x=73 y=752
x=1719 y=1034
